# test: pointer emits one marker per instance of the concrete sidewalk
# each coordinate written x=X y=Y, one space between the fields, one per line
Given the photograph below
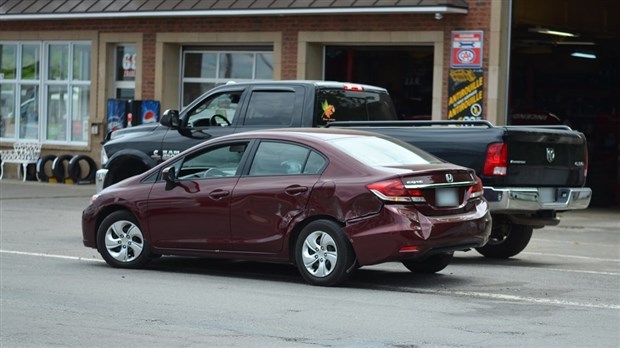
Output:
x=16 y=189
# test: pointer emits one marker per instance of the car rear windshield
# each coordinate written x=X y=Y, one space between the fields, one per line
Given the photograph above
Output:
x=353 y=105
x=382 y=152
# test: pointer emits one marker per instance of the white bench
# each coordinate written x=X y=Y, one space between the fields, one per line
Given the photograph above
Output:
x=23 y=153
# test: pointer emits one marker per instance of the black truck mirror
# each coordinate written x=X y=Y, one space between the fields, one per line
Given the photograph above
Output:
x=171 y=119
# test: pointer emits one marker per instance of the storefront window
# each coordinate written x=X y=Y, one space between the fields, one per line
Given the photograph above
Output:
x=80 y=114
x=7 y=111
x=125 y=76
x=45 y=91
x=81 y=62
x=30 y=62
x=29 y=112
x=67 y=97
x=56 y=113
x=236 y=65
x=200 y=65
x=205 y=69
x=264 y=66
x=9 y=61
x=58 y=62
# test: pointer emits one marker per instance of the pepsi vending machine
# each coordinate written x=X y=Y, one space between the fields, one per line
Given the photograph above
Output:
x=150 y=111
x=116 y=114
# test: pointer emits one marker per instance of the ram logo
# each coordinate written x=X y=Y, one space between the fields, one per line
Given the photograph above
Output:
x=550 y=154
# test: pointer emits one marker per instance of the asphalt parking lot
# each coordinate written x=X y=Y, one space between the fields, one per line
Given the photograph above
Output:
x=562 y=291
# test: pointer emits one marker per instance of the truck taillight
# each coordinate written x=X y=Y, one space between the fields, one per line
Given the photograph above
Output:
x=353 y=87
x=395 y=191
x=496 y=160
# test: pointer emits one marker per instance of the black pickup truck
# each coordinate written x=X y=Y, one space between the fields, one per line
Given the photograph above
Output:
x=529 y=173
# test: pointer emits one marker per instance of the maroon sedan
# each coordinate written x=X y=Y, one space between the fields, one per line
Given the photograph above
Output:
x=326 y=200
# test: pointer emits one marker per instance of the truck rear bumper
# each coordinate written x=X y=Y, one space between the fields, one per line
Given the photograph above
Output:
x=100 y=179
x=537 y=198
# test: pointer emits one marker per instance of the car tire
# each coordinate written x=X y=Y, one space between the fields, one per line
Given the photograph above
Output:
x=507 y=243
x=323 y=254
x=429 y=265
x=120 y=241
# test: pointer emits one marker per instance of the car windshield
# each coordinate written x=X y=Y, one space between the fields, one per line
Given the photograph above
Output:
x=381 y=152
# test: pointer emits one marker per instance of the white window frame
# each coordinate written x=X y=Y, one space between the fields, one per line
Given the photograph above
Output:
x=68 y=83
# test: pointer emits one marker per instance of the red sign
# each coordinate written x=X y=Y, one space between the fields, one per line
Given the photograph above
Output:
x=466 y=49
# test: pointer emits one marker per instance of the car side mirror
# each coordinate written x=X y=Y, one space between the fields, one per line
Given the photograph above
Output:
x=171 y=119
x=169 y=175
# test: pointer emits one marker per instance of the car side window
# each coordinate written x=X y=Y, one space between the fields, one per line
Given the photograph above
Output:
x=270 y=108
x=223 y=104
x=279 y=158
x=222 y=161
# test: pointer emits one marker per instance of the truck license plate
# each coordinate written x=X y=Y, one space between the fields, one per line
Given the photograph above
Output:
x=446 y=197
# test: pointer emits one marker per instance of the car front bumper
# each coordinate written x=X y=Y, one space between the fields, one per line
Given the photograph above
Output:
x=537 y=198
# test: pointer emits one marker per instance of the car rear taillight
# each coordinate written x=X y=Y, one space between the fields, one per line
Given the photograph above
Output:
x=395 y=191
x=476 y=190
x=496 y=160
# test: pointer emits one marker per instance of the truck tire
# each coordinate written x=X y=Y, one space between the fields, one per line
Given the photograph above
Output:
x=506 y=240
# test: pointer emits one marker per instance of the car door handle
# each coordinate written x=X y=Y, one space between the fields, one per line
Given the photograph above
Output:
x=218 y=194
x=295 y=190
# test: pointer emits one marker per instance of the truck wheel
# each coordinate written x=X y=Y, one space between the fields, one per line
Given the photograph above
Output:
x=506 y=240
x=432 y=264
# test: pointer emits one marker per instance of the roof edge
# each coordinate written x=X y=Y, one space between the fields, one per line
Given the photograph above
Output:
x=225 y=13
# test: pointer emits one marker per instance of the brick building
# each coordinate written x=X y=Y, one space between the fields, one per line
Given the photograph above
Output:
x=62 y=60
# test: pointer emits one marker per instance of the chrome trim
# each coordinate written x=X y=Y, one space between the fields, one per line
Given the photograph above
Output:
x=529 y=198
x=441 y=184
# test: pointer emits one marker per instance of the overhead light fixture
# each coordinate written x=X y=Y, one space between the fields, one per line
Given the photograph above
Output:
x=552 y=32
x=575 y=43
x=584 y=55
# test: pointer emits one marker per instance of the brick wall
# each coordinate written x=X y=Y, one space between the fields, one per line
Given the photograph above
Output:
x=478 y=18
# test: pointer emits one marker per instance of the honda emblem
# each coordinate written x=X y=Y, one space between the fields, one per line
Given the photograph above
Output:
x=449 y=177
x=550 y=154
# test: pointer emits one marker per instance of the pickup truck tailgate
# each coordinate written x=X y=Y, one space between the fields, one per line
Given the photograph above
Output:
x=545 y=157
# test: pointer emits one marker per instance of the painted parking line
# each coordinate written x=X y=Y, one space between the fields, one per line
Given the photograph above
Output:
x=571 y=256
x=569 y=242
x=53 y=256
x=459 y=293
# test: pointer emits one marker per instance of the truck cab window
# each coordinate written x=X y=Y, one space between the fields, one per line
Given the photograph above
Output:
x=270 y=108
x=217 y=110
x=347 y=105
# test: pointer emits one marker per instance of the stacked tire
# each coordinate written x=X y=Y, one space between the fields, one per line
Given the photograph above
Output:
x=78 y=169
